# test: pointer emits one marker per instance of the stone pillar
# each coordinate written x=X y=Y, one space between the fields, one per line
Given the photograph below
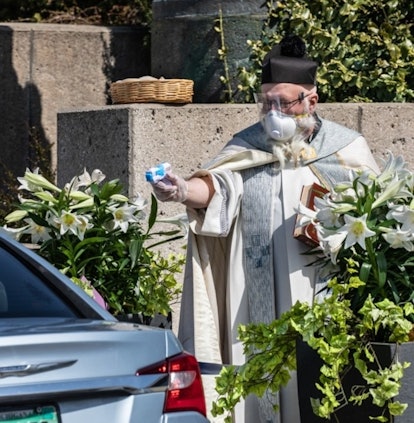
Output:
x=45 y=68
x=185 y=44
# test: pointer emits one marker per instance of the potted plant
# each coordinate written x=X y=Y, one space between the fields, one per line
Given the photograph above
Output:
x=365 y=229
x=101 y=239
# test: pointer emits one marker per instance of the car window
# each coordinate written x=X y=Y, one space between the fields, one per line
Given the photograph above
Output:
x=24 y=294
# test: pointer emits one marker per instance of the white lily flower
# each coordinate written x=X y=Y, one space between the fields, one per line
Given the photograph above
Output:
x=404 y=215
x=409 y=182
x=398 y=238
x=83 y=204
x=38 y=233
x=79 y=195
x=331 y=241
x=15 y=233
x=343 y=208
x=35 y=182
x=341 y=186
x=72 y=185
x=119 y=198
x=367 y=177
x=84 y=225
x=392 y=166
x=123 y=216
x=15 y=216
x=391 y=191
x=356 y=230
x=68 y=221
x=139 y=202
x=326 y=213
x=328 y=218
x=97 y=176
x=46 y=196
x=377 y=213
x=306 y=215
x=52 y=219
x=25 y=184
x=86 y=179
x=181 y=220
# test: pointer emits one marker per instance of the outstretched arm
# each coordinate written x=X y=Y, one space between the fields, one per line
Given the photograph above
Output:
x=195 y=192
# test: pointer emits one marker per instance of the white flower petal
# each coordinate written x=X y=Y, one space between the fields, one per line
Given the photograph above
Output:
x=357 y=230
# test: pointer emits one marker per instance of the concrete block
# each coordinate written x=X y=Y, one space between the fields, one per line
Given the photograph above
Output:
x=48 y=67
x=389 y=126
x=124 y=140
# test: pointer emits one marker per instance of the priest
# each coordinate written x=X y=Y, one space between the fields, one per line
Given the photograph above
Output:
x=244 y=263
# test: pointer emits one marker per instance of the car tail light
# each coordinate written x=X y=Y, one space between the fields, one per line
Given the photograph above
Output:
x=185 y=388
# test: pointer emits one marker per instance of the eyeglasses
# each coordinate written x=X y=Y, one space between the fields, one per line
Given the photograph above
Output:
x=265 y=104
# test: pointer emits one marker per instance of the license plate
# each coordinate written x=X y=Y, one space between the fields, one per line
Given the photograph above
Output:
x=43 y=414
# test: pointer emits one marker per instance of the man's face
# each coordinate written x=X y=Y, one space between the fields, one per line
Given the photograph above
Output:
x=291 y=99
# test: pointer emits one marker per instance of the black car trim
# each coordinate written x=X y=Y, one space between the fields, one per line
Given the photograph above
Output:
x=65 y=293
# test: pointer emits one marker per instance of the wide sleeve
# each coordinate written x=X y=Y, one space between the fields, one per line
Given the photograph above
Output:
x=218 y=217
x=357 y=155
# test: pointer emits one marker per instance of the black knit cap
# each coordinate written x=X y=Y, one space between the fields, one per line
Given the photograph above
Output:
x=287 y=62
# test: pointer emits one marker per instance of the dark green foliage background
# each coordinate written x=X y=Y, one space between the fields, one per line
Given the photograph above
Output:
x=365 y=47
x=104 y=12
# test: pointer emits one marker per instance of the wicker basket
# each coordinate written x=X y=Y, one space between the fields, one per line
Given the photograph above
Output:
x=152 y=90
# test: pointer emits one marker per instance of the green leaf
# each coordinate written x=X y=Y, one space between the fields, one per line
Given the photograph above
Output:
x=382 y=268
x=135 y=248
x=153 y=213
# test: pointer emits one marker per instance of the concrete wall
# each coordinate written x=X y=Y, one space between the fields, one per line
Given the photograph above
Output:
x=175 y=22
x=47 y=67
x=124 y=140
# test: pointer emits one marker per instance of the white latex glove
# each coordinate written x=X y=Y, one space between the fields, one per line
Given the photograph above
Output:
x=171 y=188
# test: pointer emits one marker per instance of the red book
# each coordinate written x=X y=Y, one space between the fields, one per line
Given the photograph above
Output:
x=307 y=233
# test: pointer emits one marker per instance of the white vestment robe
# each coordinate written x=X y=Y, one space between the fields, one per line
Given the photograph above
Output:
x=215 y=296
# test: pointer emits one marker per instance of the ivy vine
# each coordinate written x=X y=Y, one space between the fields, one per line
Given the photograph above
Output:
x=365 y=48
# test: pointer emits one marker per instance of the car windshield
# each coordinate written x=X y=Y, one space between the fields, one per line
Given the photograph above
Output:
x=24 y=294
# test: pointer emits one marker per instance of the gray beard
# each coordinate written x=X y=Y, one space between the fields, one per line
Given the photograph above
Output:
x=291 y=150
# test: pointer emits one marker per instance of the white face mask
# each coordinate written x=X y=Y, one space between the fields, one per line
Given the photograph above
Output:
x=279 y=127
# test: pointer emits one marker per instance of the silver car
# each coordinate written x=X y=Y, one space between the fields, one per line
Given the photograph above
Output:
x=64 y=359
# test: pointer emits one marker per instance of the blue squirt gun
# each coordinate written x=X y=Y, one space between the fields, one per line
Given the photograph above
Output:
x=157 y=173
